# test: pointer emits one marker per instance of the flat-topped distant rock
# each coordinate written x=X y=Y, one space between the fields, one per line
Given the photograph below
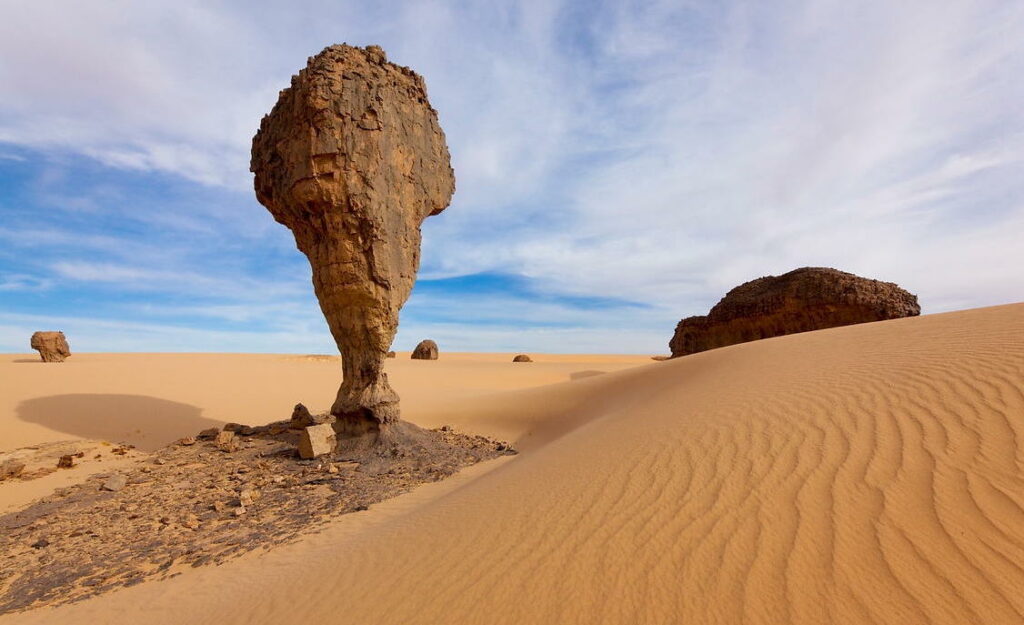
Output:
x=805 y=299
x=52 y=346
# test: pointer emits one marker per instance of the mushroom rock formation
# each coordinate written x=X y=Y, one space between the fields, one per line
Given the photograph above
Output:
x=52 y=346
x=809 y=298
x=352 y=160
x=522 y=358
x=426 y=350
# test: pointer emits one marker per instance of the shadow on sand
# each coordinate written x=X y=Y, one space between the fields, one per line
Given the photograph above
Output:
x=589 y=373
x=148 y=423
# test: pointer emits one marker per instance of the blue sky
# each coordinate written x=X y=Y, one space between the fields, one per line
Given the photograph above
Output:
x=619 y=164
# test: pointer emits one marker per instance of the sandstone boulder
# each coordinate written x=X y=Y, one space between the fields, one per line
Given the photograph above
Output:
x=316 y=440
x=522 y=358
x=426 y=350
x=810 y=298
x=52 y=346
x=352 y=160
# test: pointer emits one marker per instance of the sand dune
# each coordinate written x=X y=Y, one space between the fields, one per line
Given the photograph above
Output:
x=867 y=474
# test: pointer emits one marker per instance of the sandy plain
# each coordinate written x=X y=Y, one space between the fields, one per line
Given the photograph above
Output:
x=868 y=474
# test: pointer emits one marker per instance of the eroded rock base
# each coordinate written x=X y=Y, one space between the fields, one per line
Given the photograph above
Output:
x=192 y=504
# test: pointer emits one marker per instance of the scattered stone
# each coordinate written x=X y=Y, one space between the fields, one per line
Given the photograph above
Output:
x=316 y=441
x=66 y=461
x=11 y=469
x=247 y=496
x=190 y=511
x=805 y=299
x=52 y=346
x=278 y=428
x=352 y=160
x=41 y=543
x=188 y=440
x=522 y=358
x=208 y=433
x=225 y=441
x=115 y=483
x=301 y=418
x=392 y=354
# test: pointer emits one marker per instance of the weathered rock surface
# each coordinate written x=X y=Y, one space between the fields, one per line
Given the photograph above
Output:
x=115 y=483
x=191 y=506
x=301 y=418
x=11 y=469
x=352 y=160
x=426 y=350
x=316 y=440
x=52 y=346
x=809 y=298
x=226 y=441
x=522 y=358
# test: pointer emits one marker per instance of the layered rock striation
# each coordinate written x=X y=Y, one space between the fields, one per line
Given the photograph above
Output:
x=809 y=298
x=352 y=160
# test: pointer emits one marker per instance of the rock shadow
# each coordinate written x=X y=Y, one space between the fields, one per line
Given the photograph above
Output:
x=588 y=373
x=148 y=423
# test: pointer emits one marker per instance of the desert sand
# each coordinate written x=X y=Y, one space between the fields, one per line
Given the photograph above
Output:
x=864 y=474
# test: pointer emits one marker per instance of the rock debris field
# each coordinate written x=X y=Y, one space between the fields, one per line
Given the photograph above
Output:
x=202 y=501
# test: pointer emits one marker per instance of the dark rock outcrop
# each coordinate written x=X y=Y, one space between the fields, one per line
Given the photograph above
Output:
x=810 y=298
x=426 y=350
x=522 y=358
x=352 y=160
x=52 y=346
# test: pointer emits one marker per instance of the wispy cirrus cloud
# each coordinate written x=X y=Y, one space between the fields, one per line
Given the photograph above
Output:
x=626 y=161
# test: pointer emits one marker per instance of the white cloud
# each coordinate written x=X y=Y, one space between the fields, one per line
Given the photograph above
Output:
x=657 y=151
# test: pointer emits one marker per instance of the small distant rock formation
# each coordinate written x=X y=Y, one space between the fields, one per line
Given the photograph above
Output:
x=52 y=346
x=301 y=418
x=426 y=350
x=805 y=299
x=522 y=358
x=352 y=160
x=391 y=354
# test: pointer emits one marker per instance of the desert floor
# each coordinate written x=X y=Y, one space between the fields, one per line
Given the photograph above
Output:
x=868 y=474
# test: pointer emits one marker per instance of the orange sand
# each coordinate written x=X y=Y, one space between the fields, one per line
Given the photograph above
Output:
x=868 y=474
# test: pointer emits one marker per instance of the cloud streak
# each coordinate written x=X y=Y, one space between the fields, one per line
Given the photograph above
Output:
x=654 y=153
